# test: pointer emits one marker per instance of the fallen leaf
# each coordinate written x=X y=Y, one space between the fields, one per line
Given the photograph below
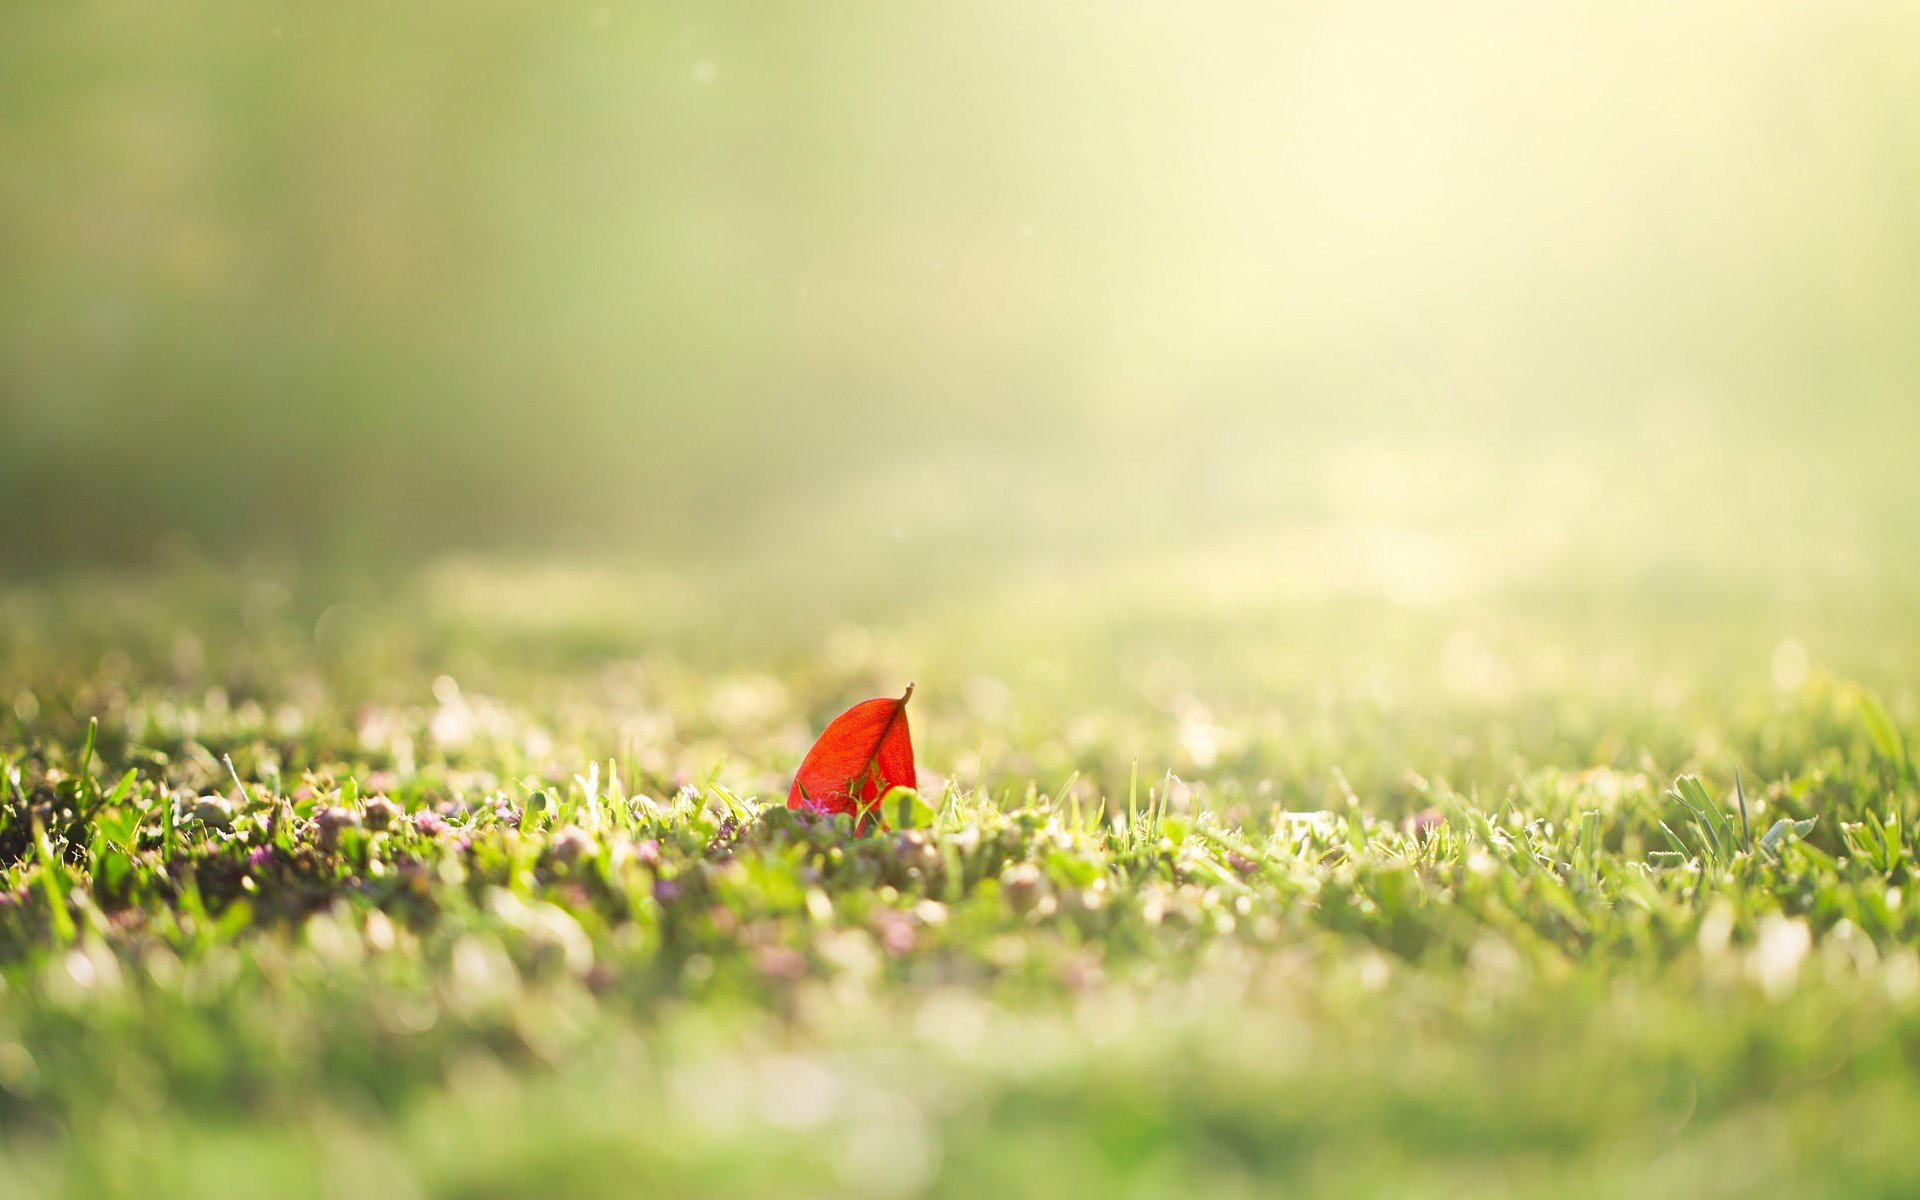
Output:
x=864 y=752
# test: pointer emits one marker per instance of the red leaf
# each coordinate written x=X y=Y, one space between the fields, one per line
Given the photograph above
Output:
x=864 y=752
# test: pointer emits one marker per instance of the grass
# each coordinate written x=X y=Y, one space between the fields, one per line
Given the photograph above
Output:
x=476 y=885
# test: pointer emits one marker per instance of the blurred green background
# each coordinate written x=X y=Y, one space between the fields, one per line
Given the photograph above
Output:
x=1599 y=290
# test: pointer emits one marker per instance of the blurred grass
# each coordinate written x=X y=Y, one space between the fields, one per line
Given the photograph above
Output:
x=689 y=280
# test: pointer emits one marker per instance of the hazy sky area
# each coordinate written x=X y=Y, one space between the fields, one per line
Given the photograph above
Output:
x=1464 y=288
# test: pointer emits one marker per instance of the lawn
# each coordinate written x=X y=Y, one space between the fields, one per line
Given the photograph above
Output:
x=479 y=882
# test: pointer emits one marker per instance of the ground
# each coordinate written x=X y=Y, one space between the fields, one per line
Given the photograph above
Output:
x=475 y=880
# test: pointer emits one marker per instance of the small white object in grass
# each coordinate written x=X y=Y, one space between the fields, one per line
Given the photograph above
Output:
x=571 y=845
x=332 y=822
x=379 y=931
x=1775 y=960
x=1374 y=971
x=1022 y=885
x=1716 y=931
x=215 y=812
x=1317 y=821
x=80 y=970
x=705 y=71
x=381 y=812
